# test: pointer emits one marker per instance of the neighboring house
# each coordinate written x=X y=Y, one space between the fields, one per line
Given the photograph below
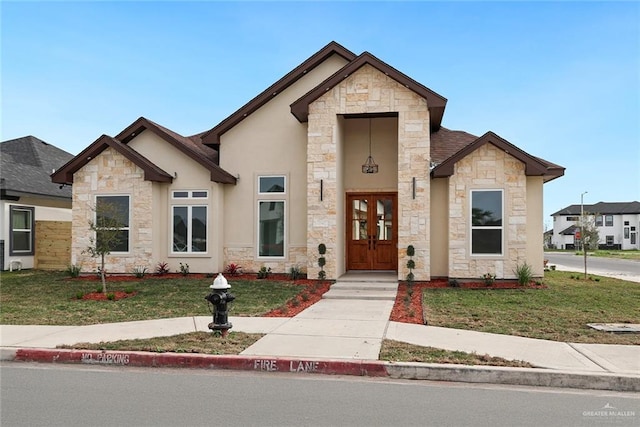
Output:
x=618 y=224
x=287 y=172
x=32 y=205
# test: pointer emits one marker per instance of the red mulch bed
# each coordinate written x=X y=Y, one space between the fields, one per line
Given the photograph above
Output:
x=412 y=312
x=310 y=295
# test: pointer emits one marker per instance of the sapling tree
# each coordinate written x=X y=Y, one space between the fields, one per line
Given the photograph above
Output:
x=107 y=233
x=588 y=235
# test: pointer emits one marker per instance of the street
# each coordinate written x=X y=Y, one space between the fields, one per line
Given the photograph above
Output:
x=620 y=268
x=73 y=395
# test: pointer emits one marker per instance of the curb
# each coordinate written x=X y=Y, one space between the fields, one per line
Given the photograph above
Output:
x=370 y=368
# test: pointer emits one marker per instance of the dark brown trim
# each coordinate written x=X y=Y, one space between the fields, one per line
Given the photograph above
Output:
x=64 y=175
x=533 y=166
x=178 y=141
x=212 y=136
x=435 y=102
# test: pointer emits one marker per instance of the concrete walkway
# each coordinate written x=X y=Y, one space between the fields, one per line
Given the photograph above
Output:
x=348 y=324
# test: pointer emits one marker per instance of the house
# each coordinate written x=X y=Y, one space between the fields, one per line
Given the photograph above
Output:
x=345 y=151
x=617 y=224
x=35 y=214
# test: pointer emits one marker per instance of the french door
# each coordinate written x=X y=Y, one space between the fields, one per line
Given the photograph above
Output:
x=372 y=230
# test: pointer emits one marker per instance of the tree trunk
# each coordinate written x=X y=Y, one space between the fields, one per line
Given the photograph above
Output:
x=102 y=275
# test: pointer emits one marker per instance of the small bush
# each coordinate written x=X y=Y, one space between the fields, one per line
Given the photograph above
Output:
x=184 y=269
x=322 y=249
x=454 y=283
x=597 y=279
x=264 y=272
x=99 y=288
x=162 y=268
x=111 y=296
x=488 y=279
x=233 y=269
x=295 y=272
x=128 y=290
x=524 y=274
x=79 y=295
x=139 y=271
x=74 y=270
x=305 y=297
x=295 y=302
x=322 y=275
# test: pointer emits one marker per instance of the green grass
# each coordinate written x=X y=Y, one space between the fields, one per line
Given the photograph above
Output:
x=402 y=352
x=194 y=342
x=32 y=297
x=558 y=313
x=632 y=255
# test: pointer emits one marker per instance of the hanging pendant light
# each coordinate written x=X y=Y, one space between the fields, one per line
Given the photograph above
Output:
x=369 y=166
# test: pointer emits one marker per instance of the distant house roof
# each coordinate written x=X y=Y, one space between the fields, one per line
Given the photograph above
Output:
x=25 y=167
x=602 y=208
x=570 y=231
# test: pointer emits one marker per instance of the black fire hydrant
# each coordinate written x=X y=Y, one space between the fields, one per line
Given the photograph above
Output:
x=220 y=298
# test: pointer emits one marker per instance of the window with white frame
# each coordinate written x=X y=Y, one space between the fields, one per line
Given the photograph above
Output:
x=608 y=220
x=189 y=221
x=271 y=216
x=486 y=222
x=22 y=227
x=112 y=222
x=598 y=220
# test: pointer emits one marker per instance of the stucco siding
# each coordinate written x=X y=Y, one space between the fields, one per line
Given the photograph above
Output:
x=270 y=141
x=439 y=228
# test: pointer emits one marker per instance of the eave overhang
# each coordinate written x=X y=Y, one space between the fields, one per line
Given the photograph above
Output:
x=435 y=102
x=152 y=172
x=212 y=136
x=534 y=166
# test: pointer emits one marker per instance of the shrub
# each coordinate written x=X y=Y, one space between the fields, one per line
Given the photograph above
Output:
x=139 y=271
x=322 y=249
x=74 y=270
x=264 y=272
x=233 y=269
x=295 y=272
x=454 y=283
x=79 y=295
x=524 y=273
x=488 y=279
x=128 y=290
x=111 y=296
x=162 y=268
x=184 y=269
x=322 y=275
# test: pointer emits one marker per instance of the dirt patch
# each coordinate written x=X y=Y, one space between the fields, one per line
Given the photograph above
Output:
x=109 y=296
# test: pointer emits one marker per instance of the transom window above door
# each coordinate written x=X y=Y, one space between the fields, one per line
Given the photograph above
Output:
x=271 y=184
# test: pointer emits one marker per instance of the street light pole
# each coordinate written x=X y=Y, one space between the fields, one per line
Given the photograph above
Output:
x=582 y=235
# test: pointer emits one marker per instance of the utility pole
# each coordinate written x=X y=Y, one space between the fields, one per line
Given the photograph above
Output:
x=582 y=235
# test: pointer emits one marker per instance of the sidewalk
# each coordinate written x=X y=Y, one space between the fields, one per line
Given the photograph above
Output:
x=342 y=334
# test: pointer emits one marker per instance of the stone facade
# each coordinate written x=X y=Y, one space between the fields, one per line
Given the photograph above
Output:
x=487 y=168
x=112 y=174
x=367 y=91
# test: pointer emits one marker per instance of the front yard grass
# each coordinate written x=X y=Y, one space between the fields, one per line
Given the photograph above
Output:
x=32 y=297
x=559 y=313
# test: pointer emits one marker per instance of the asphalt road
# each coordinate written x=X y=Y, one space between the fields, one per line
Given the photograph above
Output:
x=72 y=395
x=626 y=269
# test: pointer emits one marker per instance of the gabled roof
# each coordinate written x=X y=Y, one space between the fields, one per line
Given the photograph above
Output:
x=534 y=166
x=445 y=143
x=436 y=103
x=602 y=208
x=212 y=136
x=191 y=146
x=25 y=166
x=569 y=231
x=64 y=175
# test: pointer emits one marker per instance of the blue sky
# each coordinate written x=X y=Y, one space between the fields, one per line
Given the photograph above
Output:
x=561 y=80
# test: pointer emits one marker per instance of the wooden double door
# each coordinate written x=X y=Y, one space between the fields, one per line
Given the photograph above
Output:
x=372 y=228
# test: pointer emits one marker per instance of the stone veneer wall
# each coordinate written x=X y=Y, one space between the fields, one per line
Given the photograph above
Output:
x=368 y=91
x=246 y=258
x=112 y=174
x=487 y=168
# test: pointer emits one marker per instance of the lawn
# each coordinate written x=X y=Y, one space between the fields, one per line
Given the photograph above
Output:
x=560 y=312
x=32 y=297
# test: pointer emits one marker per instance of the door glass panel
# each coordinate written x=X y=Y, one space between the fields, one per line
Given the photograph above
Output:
x=384 y=219
x=359 y=220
